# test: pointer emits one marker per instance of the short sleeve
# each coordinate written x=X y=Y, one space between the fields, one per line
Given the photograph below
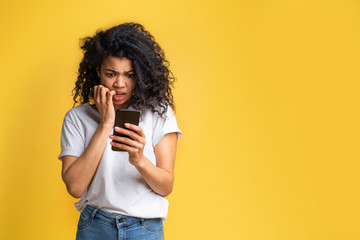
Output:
x=72 y=139
x=162 y=126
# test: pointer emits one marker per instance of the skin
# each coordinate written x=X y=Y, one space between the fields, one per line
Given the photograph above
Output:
x=117 y=75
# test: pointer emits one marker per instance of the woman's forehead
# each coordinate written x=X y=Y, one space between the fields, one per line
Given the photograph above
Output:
x=117 y=63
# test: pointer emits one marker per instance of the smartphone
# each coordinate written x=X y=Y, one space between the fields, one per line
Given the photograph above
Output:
x=125 y=116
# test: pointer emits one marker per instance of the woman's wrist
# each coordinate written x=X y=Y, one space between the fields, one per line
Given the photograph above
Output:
x=106 y=126
x=141 y=163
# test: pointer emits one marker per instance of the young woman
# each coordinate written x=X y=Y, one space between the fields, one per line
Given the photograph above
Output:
x=122 y=192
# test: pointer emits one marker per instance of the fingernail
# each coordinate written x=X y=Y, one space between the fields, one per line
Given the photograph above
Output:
x=127 y=124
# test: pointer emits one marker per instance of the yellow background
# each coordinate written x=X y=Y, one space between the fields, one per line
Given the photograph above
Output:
x=267 y=97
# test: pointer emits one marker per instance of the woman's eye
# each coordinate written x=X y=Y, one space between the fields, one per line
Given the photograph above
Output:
x=131 y=75
x=110 y=74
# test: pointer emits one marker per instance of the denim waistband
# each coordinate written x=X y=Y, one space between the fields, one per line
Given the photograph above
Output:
x=109 y=218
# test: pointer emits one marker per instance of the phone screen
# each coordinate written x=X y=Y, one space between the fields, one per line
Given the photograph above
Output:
x=125 y=116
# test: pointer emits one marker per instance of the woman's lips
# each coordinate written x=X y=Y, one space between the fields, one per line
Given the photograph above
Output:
x=119 y=96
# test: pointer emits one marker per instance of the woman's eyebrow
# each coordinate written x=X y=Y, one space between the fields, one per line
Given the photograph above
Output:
x=112 y=70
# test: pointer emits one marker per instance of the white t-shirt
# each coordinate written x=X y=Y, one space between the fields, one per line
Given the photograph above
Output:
x=117 y=186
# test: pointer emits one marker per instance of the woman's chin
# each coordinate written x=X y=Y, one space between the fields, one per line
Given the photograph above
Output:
x=120 y=105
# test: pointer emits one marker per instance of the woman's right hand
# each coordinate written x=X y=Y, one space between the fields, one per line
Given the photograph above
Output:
x=104 y=104
x=78 y=172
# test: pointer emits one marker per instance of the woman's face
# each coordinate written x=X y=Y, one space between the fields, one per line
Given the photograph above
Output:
x=118 y=74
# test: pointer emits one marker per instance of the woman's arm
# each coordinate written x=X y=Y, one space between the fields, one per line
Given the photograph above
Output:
x=160 y=178
x=77 y=172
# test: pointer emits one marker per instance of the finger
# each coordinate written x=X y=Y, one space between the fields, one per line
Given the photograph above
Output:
x=127 y=141
x=136 y=128
x=122 y=146
x=110 y=97
x=101 y=91
x=118 y=145
x=103 y=95
x=94 y=91
x=97 y=99
x=103 y=87
x=131 y=134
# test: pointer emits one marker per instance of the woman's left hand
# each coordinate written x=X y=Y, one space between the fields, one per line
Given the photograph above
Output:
x=134 y=146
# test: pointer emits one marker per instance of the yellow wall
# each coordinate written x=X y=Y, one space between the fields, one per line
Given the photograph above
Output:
x=267 y=97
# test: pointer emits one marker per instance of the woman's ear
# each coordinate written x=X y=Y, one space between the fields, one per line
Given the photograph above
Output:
x=98 y=71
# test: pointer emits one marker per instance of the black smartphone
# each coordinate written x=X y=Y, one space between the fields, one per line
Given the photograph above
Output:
x=125 y=116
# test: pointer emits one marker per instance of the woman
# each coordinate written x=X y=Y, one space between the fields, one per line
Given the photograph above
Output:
x=122 y=192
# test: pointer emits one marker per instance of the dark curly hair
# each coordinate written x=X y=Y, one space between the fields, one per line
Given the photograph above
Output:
x=153 y=77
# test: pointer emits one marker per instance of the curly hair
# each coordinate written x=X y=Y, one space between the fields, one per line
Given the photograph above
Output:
x=153 y=77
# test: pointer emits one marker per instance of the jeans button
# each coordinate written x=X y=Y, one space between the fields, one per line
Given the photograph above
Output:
x=122 y=220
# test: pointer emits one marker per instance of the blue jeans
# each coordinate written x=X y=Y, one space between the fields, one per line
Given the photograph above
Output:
x=95 y=223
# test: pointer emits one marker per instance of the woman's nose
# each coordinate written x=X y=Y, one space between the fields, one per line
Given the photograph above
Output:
x=120 y=81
